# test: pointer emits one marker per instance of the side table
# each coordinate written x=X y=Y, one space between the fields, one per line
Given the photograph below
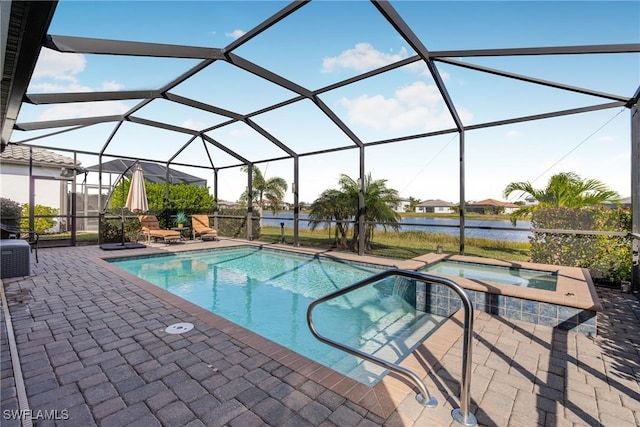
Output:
x=182 y=231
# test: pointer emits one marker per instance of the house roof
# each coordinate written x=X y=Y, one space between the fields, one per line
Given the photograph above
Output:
x=493 y=202
x=227 y=203
x=625 y=201
x=433 y=203
x=19 y=155
x=152 y=172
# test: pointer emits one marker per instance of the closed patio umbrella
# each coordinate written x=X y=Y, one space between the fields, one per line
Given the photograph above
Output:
x=137 y=197
x=136 y=202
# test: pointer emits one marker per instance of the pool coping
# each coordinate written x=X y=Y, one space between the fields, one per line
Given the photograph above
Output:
x=381 y=399
x=570 y=289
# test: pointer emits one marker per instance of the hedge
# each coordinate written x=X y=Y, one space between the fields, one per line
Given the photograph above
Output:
x=608 y=258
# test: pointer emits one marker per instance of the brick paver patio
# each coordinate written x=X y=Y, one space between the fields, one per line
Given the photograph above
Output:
x=93 y=350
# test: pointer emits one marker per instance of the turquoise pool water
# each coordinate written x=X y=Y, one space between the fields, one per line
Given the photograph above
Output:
x=268 y=292
x=494 y=273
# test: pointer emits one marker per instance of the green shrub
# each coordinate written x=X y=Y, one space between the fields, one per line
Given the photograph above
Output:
x=40 y=224
x=608 y=258
x=187 y=197
x=10 y=212
x=111 y=231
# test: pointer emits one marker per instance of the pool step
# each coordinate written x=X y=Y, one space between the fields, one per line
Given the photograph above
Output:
x=401 y=334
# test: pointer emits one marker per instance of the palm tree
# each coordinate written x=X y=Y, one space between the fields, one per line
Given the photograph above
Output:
x=565 y=189
x=342 y=205
x=333 y=205
x=272 y=189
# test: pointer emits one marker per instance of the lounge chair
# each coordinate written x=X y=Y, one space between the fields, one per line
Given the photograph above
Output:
x=151 y=229
x=201 y=228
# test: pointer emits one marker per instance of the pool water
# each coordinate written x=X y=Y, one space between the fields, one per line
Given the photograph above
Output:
x=268 y=292
x=494 y=273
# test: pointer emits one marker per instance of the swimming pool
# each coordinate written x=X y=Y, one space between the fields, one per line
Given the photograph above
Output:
x=513 y=276
x=268 y=292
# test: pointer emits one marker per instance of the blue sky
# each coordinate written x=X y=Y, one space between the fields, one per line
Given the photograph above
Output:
x=329 y=41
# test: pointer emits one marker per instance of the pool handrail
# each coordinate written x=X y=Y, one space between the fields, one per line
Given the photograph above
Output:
x=461 y=415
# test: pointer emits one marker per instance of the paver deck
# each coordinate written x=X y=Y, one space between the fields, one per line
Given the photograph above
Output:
x=93 y=351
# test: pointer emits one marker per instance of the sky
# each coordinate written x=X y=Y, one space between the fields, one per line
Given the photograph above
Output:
x=328 y=41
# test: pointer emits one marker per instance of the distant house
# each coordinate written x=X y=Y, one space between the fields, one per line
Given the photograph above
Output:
x=223 y=204
x=491 y=206
x=285 y=206
x=530 y=200
x=624 y=203
x=434 y=206
x=402 y=206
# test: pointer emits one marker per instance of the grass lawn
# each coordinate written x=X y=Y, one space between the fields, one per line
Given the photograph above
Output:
x=391 y=244
x=409 y=244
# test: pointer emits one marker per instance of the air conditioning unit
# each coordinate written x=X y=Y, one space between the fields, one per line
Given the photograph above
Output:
x=16 y=258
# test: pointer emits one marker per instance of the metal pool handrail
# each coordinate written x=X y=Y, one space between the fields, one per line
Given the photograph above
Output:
x=461 y=415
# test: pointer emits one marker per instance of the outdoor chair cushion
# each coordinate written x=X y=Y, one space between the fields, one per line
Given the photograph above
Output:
x=151 y=228
x=201 y=228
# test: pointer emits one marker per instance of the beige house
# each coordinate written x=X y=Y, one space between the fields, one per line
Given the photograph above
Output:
x=434 y=206
x=491 y=206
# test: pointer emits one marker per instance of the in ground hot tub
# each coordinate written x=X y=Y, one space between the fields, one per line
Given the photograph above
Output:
x=550 y=295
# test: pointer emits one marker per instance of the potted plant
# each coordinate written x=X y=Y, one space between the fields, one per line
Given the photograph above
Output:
x=181 y=219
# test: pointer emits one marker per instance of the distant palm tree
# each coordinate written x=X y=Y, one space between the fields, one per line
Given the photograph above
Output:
x=565 y=189
x=272 y=189
x=342 y=205
x=413 y=202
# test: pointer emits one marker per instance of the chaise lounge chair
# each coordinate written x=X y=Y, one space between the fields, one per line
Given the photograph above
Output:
x=151 y=228
x=201 y=228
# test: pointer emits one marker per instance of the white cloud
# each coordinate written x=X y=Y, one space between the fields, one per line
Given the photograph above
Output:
x=236 y=34
x=59 y=66
x=112 y=86
x=361 y=58
x=47 y=87
x=60 y=72
x=415 y=107
x=365 y=57
x=420 y=67
x=84 y=109
x=70 y=85
x=193 y=124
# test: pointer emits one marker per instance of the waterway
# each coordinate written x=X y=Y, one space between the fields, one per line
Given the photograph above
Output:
x=490 y=229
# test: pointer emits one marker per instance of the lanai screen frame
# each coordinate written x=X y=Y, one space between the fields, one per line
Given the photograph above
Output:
x=33 y=19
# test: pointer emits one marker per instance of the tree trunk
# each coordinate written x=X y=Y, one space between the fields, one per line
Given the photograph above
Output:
x=342 y=243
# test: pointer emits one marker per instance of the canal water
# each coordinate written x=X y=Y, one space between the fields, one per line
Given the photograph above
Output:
x=489 y=229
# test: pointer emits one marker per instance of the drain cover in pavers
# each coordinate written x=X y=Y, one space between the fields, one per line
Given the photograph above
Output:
x=179 y=328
